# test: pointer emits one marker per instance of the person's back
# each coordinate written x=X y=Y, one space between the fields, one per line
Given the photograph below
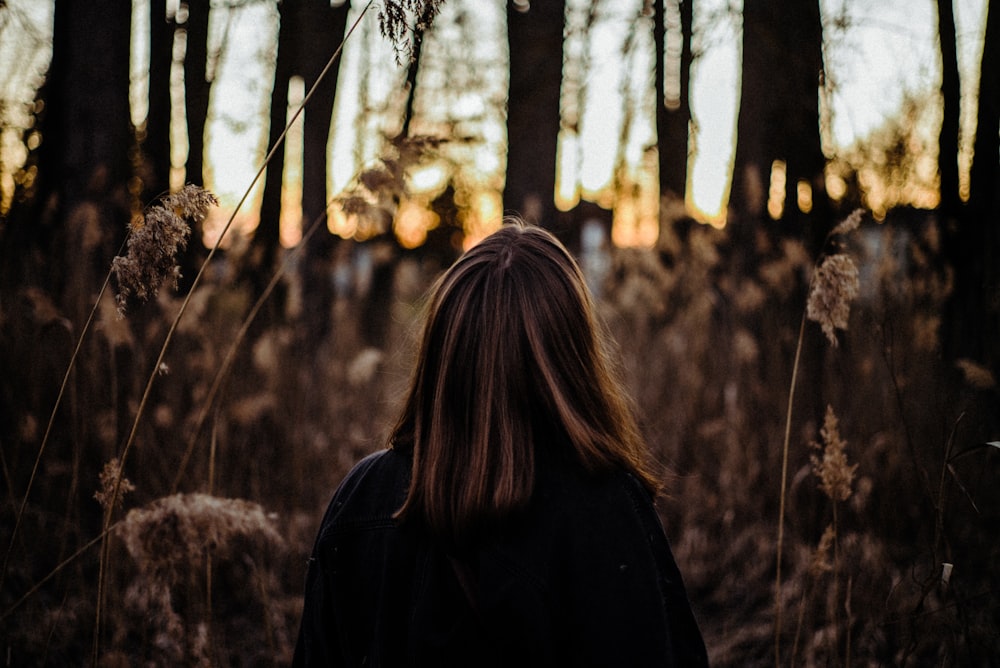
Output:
x=511 y=522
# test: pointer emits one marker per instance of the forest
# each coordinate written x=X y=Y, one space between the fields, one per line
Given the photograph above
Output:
x=188 y=369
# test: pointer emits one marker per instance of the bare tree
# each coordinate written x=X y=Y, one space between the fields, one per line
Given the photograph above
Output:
x=156 y=132
x=66 y=238
x=419 y=32
x=196 y=87
x=86 y=134
x=984 y=175
x=309 y=32
x=535 y=39
x=778 y=130
x=779 y=120
x=952 y=97
x=266 y=238
x=673 y=104
x=974 y=308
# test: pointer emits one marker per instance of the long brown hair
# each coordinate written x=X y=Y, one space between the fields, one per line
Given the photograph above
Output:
x=512 y=363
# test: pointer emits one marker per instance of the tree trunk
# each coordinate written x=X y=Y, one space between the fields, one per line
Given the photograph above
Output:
x=196 y=87
x=535 y=40
x=952 y=96
x=805 y=160
x=414 y=66
x=87 y=123
x=974 y=308
x=984 y=176
x=754 y=155
x=309 y=32
x=65 y=244
x=673 y=108
x=321 y=29
x=196 y=96
x=86 y=136
x=156 y=141
x=779 y=120
x=266 y=238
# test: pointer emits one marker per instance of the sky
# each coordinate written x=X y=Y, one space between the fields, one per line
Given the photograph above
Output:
x=876 y=52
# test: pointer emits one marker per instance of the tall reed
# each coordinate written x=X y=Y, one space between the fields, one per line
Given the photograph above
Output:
x=832 y=287
x=109 y=512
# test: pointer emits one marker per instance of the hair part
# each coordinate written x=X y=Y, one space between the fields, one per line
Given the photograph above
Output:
x=512 y=366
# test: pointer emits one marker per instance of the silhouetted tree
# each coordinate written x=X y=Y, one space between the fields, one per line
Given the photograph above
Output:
x=86 y=135
x=417 y=48
x=673 y=106
x=266 y=238
x=779 y=119
x=951 y=96
x=156 y=131
x=196 y=87
x=984 y=175
x=535 y=39
x=309 y=33
x=975 y=303
x=63 y=244
x=385 y=250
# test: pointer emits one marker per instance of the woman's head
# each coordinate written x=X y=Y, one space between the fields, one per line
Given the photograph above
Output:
x=511 y=366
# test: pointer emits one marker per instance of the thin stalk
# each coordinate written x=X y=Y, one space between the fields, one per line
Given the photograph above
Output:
x=784 y=468
x=211 y=453
x=939 y=504
x=55 y=571
x=208 y=553
x=101 y=575
x=781 y=502
x=847 y=609
x=53 y=626
x=266 y=599
x=183 y=308
x=836 y=577
x=208 y=594
x=227 y=363
x=11 y=501
x=798 y=626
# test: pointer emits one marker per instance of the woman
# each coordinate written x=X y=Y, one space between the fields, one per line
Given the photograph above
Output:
x=510 y=522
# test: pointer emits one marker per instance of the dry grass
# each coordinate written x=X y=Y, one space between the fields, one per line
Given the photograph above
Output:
x=888 y=554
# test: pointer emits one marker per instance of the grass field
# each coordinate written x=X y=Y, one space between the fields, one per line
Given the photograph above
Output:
x=888 y=543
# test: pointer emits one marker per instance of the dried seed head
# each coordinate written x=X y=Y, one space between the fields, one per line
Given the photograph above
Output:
x=849 y=224
x=109 y=480
x=976 y=375
x=173 y=532
x=154 y=240
x=832 y=469
x=834 y=285
x=169 y=540
x=821 y=557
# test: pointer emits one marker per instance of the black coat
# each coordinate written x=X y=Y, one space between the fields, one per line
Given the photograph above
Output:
x=583 y=577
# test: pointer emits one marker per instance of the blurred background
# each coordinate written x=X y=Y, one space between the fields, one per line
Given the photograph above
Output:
x=695 y=155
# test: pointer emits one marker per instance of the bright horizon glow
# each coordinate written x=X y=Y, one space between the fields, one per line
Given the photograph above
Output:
x=886 y=51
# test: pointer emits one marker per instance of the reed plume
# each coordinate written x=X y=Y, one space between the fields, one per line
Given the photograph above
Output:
x=834 y=286
x=830 y=466
x=153 y=243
